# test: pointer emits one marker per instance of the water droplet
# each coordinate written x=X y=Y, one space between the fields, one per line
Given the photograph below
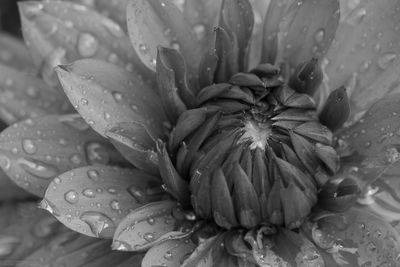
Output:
x=100 y=224
x=148 y=237
x=90 y=193
x=5 y=162
x=71 y=197
x=93 y=175
x=87 y=45
x=151 y=220
x=57 y=180
x=175 y=46
x=322 y=239
x=76 y=159
x=117 y=96
x=143 y=48
x=386 y=59
x=138 y=194
x=121 y=246
x=360 y=15
x=29 y=146
x=84 y=101
x=200 y=31
x=392 y=155
x=50 y=207
x=97 y=153
x=168 y=255
x=114 y=204
x=38 y=169
x=8 y=244
x=153 y=62
x=319 y=35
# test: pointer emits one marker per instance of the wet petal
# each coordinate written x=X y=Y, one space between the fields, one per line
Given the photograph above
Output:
x=25 y=96
x=355 y=238
x=150 y=225
x=71 y=249
x=156 y=22
x=307 y=30
x=62 y=32
x=35 y=151
x=93 y=200
x=366 y=58
x=106 y=95
x=375 y=137
x=14 y=53
x=169 y=253
x=236 y=17
x=10 y=191
x=30 y=230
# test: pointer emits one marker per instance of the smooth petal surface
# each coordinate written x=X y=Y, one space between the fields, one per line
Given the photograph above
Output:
x=157 y=22
x=307 y=30
x=106 y=95
x=93 y=200
x=170 y=253
x=14 y=53
x=71 y=249
x=25 y=96
x=10 y=191
x=59 y=32
x=35 y=151
x=355 y=238
x=363 y=57
x=150 y=225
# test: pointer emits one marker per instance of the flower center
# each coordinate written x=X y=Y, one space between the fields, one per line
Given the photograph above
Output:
x=254 y=152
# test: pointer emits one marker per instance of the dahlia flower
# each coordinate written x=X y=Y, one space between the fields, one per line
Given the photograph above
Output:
x=202 y=133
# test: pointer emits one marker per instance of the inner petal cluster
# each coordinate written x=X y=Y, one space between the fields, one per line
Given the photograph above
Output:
x=254 y=152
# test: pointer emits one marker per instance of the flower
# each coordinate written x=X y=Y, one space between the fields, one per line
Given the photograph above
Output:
x=204 y=145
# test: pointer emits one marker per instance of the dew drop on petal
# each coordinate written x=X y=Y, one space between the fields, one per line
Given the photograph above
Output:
x=323 y=240
x=76 y=159
x=38 y=169
x=168 y=255
x=143 y=48
x=8 y=244
x=386 y=59
x=71 y=197
x=319 y=35
x=121 y=246
x=151 y=220
x=200 y=31
x=114 y=204
x=29 y=146
x=90 y=193
x=100 y=224
x=117 y=96
x=96 y=153
x=148 y=237
x=93 y=175
x=138 y=194
x=5 y=162
x=87 y=45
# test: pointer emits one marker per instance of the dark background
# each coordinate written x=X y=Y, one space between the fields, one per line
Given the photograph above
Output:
x=9 y=19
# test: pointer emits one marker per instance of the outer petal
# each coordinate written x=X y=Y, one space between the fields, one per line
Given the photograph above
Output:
x=35 y=151
x=9 y=190
x=307 y=30
x=24 y=96
x=71 y=250
x=364 y=57
x=157 y=22
x=106 y=95
x=93 y=200
x=60 y=32
x=149 y=225
x=355 y=238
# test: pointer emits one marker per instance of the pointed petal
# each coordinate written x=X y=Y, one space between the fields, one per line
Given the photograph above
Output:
x=35 y=151
x=355 y=237
x=375 y=136
x=336 y=109
x=60 y=32
x=170 y=253
x=14 y=53
x=93 y=200
x=25 y=96
x=364 y=57
x=106 y=95
x=71 y=249
x=307 y=30
x=150 y=225
x=154 y=22
x=315 y=131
